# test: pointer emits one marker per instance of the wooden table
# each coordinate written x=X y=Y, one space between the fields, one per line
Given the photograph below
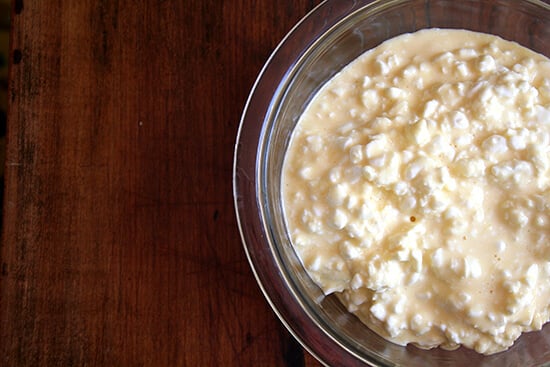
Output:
x=120 y=243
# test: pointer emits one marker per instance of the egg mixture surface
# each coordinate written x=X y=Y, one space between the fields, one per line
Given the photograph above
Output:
x=416 y=187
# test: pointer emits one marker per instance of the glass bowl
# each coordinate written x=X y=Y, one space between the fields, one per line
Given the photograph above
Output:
x=322 y=43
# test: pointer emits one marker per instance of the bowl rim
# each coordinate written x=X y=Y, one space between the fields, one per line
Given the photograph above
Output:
x=245 y=180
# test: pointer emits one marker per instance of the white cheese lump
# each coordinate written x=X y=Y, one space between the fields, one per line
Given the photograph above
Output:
x=416 y=187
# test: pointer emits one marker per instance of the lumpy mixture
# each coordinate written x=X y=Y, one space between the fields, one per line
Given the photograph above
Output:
x=416 y=188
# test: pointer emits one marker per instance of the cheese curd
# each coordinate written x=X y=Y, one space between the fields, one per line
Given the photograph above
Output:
x=416 y=187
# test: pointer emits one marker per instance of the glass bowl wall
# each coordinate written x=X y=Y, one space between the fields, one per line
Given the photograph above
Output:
x=326 y=40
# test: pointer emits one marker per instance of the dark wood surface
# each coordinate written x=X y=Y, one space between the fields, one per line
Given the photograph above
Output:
x=120 y=245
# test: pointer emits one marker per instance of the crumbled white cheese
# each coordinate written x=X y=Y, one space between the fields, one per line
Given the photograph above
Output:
x=413 y=185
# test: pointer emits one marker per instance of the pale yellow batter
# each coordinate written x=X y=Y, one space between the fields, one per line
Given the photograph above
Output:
x=416 y=187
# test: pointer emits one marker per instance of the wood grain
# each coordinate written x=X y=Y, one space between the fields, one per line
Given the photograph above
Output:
x=120 y=246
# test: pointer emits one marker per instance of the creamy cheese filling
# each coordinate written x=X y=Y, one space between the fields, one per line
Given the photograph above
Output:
x=417 y=188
